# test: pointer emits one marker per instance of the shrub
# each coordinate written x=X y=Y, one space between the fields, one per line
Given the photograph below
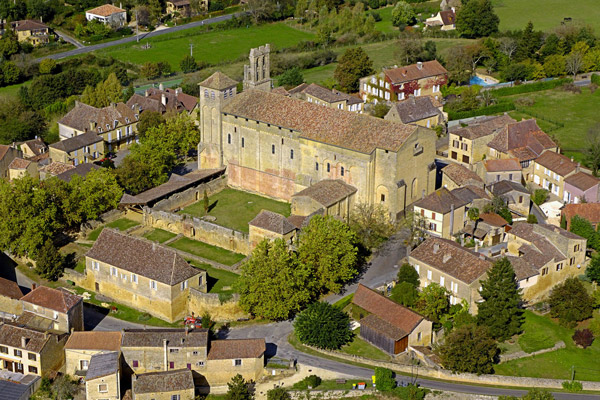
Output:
x=324 y=326
x=596 y=79
x=384 y=379
x=530 y=87
x=310 y=381
x=540 y=196
x=583 y=338
x=572 y=386
x=489 y=110
x=570 y=302
x=570 y=87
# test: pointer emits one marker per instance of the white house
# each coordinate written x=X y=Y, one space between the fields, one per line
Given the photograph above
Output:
x=108 y=14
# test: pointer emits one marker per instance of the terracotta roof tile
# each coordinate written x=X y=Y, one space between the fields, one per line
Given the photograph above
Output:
x=141 y=257
x=11 y=335
x=80 y=170
x=56 y=168
x=493 y=219
x=10 y=289
x=500 y=165
x=87 y=118
x=582 y=181
x=19 y=163
x=589 y=211
x=273 y=222
x=482 y=126
x=523 y=140
x=359 y=132
x=416 y=108
x=105 y=10
x=461 y=175
x=452 y=259
x=218 y=81
x=440 y=201
x=413 y=72
x=236 y=348
x=28 y=25
x=163 y=382
x=327 y=191
x=96 y=340
x=155 y=337
x=393 y=314
x=555 y=162
x=59 y=299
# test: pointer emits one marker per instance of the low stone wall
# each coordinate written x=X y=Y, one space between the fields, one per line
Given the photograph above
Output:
x=198 y=229
x=499 y=380
x=522 y=354
x=192 y=195
x=226 y=311
x=328 y=394
x=107 y=217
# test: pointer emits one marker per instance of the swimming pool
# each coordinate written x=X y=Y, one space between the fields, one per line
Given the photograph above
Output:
x=476 y=80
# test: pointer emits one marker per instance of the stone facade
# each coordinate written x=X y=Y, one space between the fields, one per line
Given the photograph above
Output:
x=61 y=321
x=220 y=311
x=257 y=74
x=104 y=388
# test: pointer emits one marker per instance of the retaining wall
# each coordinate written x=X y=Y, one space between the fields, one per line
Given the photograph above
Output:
x=191 y=195
x=225 y=311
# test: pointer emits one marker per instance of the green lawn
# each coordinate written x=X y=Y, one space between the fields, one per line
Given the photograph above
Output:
x=578 y=112
x=212 y=47
x=385 y=25
x=218 y=279
x=359 y=347
x=539 y=332
x=121 y=224
x=207 y=251
x=234 y=208
x=546 y=14
x=159 y=235
x=12 y=90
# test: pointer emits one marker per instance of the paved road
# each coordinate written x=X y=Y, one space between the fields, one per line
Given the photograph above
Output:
x=88 y=49
x=69 y=39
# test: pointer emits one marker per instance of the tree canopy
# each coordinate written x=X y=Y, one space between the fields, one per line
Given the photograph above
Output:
x=469 y=348
x=433 y=302
x=352 y=65
x=570 y=302
x=477 y=19
x=324 y=326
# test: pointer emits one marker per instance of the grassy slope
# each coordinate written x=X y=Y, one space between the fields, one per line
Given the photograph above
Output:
x=207 y=251
x=218 y=278
x=546 y=14
x=121 y=224
x=159 y=235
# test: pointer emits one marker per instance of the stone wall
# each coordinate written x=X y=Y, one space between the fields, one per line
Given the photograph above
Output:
x=522 y=354
x=198 y=229
x=328 y=394
x=225 y=311
x=191 y=195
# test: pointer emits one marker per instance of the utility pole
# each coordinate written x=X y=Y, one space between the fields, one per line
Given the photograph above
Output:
x=572 y=373
x=191 y=49
x=137 y=24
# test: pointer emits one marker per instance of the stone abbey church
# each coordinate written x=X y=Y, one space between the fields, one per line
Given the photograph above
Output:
x=276 y=145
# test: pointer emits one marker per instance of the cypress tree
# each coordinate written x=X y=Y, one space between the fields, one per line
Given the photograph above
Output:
x=500 y=310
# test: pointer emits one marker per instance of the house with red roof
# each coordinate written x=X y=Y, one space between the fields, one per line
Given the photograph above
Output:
x=52 y=309
x=444 y=19
x=588 y=211
x=108 y=14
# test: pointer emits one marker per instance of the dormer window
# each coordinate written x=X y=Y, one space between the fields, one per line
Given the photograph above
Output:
x=116 y=123
x=108 y=126
x=127 y=119
x=137 y=116
x=99 y=130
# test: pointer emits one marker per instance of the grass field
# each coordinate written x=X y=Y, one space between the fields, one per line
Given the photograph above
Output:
x=359 y=347
x=12 y=90
x=121 y=224
x=212 y=47
x=159 y=235
x=219 y=280
x=540 y=331
x=207 y=251
x=234 y=208
x=385 y=25
x=546 y=14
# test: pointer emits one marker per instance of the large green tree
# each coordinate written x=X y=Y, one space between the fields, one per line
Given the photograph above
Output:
x=324 y=326
x=403 y=14
x=469 y=348
x=582 y=227
x=352 y=65
x=477 y=19
x=105 y=93
x=372 y=224
x=237 y=389
x=49 y=262
x=408 y=273
x=328 y=248
x=433 y=302
x=500 y=309
x=273 y=284
x=593 y=269
x=405 y=293
x=570 y=302
x=149 y=119
x=93 y=195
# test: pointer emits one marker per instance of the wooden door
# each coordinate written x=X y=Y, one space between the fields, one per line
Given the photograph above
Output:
x=401 y=345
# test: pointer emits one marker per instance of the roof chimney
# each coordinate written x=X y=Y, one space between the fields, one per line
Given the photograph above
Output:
x=419 y=65
x=24 y=341
x=436 y=248
x=33 y=286
x=447 y=257
x=163 y=99
x=177 y=91
x=161 y=87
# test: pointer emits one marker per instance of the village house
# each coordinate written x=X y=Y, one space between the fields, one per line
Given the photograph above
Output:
x=550 y=170
x=81 y=149
x=587 y=211
x=142 y=274
x=52 y=309
x=33 y=148
x=215 y=362
x=457 y=175
x=581 y=187
x=82 y=346
x=327 y=197
x=54 y=168
x=270 y=225
x=116 y=124
x=27 y=350
x=488 y=230
x=444 y=19
x=34 y=32
x=469 y=144
x=397 y=84
x=472 y=196
x=103 y=377
x=554 y=252
x=19 y=168
x=108 y=14
x=10 y=295
x=163 y=100
x=333 y=98
x=179 y=8
x=167 y=385
x=516 y=197
x=500 y=169
x=424 y=111
x=18 y=386
x=389 y=325
x=7 y=155
x=444 y=213
x=81 y=170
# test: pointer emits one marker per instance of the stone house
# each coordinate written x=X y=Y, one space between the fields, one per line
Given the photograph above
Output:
x=445 y=19
x=554 y=252
x=33 y=148
x=116 y=124
x=30 y=351
x=397 y=84
x=500 y=169
x=443 y=212
x=7 y=155
x=516 y=197
x=389 y=325
x=270 y=225
x=550 y=170
x=214 y=363
x=456 y=268
x=469 y=144
x=10 y=295
x=333 y=98
x=424 y=111
x=167 y=385
x=488 y=230
x=108 y=14
x=82 y=346
x=179 y=8
x=19 y=386
x=473 y=196
x=19 y=168
x=81 y=170
x=81 y=149
x=163 y=100
x=103 y=377
x=142 y=274
x=330 y=197
x=53 y=309
x=581 y=187
x=457 y=175
x=55 y=168
x=34 y=32
x=588 y=211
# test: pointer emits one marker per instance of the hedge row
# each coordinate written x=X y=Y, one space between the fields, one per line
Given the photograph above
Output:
x=596 y=79
x=495 y=109
x=530 y=87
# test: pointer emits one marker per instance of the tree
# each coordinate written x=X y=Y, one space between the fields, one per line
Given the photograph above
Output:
x=384 y=379
x=352 y=65
x=405 y=293
x=380 y=110
x=458 y=63
x=278 y=393
x=134 y=175
x=49 y=261
x=290 y=78
x=500 y=309
x=532 y=219
x=469 y=349
x=477 y=19
x=11 y=74
x=507 y=46
x=328 y=248
x=237 y=389
x=407 y=273
x=593 y=148
x=105 y=93
x=150 y=70
x=574 y=63
x=473 y=214
x=188 y=64
x=47 y=66
x=540 y=196
x=260 y=10
x=433 y=302
x=593 y=269
x=582 y=227
x=529 y=42
x=583 y=338
x=570 y=302
x=64 y=388
x=499 y=207
x=372 y=224
x=324 y=326
x=414 y=224
x=273 y=284
x=147 y=120
x=538 y=394
x=555 y=65
x=403 y=14
x=93 y=195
